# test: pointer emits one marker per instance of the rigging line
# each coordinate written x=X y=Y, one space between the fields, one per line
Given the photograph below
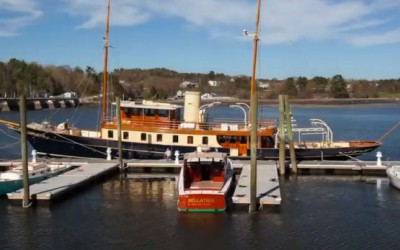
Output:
x=83 y=145
x=109 y=97
x=7 y=134
x=74 y=142
x=51 y=115
x=9 y=145
x=98 y=117
x=85 y=86
x=389 y=132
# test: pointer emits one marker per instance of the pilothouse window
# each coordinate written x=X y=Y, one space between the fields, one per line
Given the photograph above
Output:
x=137 y=111
x=143 y=136
x=126 y=135
x=221 y=139
x=110 y=134
x=163 y=113
x=150 y=112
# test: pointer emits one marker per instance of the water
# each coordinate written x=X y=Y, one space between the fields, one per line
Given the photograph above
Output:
x=318 y=211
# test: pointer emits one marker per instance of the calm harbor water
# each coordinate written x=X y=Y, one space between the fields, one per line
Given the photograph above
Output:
x=318 y=211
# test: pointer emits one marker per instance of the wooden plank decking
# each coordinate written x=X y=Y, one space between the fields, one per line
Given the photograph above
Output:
x=54 y=187
x=346 y=165
x=268 y=190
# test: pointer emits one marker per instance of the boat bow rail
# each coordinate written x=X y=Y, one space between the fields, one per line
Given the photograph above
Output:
x=318 y=127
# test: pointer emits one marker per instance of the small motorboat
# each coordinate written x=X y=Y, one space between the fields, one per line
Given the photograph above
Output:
x=12 y=179
x=204 y=182
x=393 y=173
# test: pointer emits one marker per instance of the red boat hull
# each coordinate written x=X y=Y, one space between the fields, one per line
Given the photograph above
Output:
x=202 y=202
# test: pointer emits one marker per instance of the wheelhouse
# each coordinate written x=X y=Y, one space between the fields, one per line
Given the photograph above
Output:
x=149 y=114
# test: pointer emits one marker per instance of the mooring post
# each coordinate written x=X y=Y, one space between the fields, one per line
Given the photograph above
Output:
x=290 y=134
x=34 y=153
x=281 y=136
x=119 y=128
x=379 y=158
x=253 y=154
x=24 y=150
x=108 y=151
x=176 y=157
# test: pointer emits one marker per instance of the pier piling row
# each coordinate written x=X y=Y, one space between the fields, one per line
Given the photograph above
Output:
x=11 y=104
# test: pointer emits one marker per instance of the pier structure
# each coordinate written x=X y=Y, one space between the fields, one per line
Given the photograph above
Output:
x=353 y=167
x=12 y=104
x=268 y=187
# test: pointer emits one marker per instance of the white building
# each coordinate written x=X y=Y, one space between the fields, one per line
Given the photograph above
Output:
x=187 y=84
x=264 y=85
x=69 y=95
x=214 y=83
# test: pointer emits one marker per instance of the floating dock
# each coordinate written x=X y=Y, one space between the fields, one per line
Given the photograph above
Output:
x=54 y=187
x=268 y=190
x=148 y=165
x=359 y=167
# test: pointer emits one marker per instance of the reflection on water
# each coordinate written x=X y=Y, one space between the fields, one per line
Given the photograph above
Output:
x=129 y=213
x=135 y=191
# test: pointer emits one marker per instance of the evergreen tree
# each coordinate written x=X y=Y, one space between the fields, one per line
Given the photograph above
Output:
x=338 y=87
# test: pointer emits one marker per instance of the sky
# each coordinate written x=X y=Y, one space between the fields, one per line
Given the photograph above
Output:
x=359 y=39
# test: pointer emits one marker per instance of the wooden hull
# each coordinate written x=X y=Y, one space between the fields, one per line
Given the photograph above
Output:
x=54 y=144
x=8 y=186
x=13 y=185
x=202 y=202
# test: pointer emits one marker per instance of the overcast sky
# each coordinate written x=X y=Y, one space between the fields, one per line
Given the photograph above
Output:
x=355 y=38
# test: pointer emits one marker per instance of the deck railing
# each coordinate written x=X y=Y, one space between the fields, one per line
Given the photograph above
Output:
x=218 y=124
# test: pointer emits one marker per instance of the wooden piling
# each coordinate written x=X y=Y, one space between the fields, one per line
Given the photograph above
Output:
x=119 y=128
x=24 y=150
x=254 y=120
x=253 y=155
x=281 y=135
x=290 y=134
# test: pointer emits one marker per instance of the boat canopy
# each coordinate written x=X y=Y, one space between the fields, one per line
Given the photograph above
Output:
x=205 y=156
x=149 y=105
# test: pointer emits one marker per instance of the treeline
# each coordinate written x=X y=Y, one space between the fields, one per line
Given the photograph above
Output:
x=338 y=87
x=35 y=80
x=17 y=76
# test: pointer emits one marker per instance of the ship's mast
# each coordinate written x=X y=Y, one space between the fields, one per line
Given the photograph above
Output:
x=254 y=120
x=105 y=69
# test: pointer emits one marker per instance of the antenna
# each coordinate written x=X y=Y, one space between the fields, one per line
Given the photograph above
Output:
x=246 y=33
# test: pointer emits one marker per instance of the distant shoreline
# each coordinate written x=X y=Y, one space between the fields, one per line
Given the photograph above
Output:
x=328 y=101
x=344 y=101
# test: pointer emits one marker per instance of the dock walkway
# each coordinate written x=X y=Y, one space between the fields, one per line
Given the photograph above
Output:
x=52 y=188
x=358 y=166
x=268 y=190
